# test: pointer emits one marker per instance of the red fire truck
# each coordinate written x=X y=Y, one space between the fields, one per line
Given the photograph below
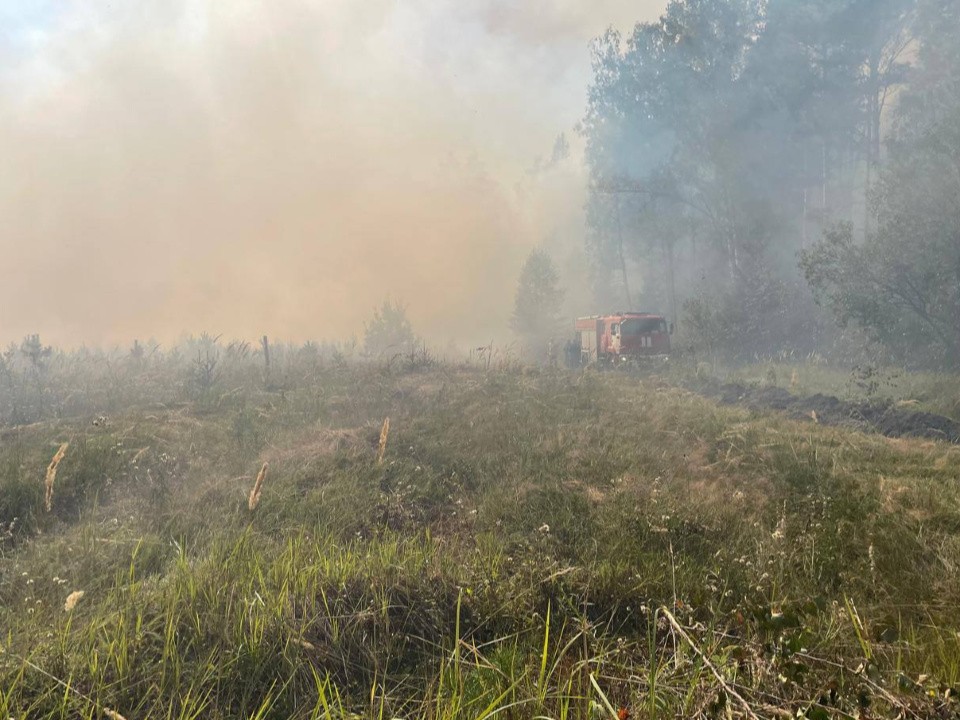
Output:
x=621 y=337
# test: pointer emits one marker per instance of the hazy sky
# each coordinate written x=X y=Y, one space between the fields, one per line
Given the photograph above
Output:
x=281 y=167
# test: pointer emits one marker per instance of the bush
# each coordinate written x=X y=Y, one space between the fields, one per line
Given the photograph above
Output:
x=389 y=331
x=762 y=318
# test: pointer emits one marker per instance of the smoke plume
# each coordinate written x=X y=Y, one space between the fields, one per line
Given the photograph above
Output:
x=248 y=167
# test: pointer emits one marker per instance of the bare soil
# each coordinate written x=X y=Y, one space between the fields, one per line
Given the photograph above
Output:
x=882 y=416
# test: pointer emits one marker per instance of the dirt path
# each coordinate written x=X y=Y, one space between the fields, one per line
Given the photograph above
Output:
x=884 y=417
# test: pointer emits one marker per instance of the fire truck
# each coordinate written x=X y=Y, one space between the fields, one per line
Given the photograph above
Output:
x=620 y=337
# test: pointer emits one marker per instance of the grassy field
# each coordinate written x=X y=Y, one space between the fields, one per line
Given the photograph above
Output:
x=534 y=543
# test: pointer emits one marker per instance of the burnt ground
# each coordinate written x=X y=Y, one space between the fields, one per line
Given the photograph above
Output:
x=884 y=417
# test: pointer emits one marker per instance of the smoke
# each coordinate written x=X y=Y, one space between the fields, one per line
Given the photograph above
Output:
x=282 y=167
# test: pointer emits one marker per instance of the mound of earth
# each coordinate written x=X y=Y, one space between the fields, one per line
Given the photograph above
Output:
x=884 y=417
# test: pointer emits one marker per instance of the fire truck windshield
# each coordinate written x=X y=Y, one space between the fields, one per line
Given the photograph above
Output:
x=641 y=326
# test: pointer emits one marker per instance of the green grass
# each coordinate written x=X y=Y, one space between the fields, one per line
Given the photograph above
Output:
x=520 y=553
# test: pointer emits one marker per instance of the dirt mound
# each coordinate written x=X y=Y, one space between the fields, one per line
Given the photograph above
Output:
x=884 y=417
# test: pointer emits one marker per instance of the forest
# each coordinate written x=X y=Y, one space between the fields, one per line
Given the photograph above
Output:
x=783 y=176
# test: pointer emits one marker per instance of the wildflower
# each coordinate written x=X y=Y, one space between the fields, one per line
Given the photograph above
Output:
x=781 y=531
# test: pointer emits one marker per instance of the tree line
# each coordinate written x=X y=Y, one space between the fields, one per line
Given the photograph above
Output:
x=782 y=175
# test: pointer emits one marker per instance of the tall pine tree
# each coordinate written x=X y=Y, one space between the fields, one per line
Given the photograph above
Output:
x=536 y=310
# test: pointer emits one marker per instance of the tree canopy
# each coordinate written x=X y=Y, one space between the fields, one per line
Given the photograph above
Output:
x=901 y=282
x=724 y=140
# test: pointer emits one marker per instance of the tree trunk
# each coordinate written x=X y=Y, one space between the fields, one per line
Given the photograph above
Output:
x=623 y=259
x=265 y=344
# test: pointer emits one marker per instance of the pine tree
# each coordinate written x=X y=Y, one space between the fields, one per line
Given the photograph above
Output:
x=536 y=310
x=389 y=331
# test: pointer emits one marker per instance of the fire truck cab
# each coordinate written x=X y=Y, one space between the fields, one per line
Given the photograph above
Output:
x=622 y=336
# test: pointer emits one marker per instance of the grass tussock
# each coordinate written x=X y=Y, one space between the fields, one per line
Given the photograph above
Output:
x=536 y=544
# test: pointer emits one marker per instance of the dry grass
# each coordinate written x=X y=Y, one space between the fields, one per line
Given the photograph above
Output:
x=257 y=488
x=384 y=434
x=313 y=444
x=140 y=453
x=52 y=475
x=72 y=600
